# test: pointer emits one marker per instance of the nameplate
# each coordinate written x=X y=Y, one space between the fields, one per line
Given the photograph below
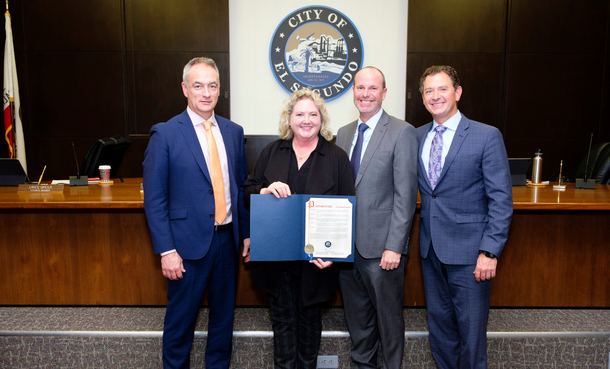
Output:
x=41 y=188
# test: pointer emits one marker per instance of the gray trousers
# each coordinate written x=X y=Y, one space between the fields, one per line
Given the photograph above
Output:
x=374 y=300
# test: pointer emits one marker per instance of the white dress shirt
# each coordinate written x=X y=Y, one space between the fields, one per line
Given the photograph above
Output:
x=451 y=124
x=372 y=123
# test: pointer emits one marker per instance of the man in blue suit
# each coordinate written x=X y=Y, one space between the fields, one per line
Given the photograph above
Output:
x=466 y=209
x=194 y=171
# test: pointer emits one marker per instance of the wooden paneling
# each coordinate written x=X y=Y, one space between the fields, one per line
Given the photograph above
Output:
x=92 y=69
x=177 y=26
x=604 y=126
x=73 y=26
x=70 y=97
x=546 y=263
x=466 y=26
x=481 y=79
x=558 y=27
x=91 y=246
x=548 y=108
x=75 y=94
x=68 y=259
x=157 y=90
x=547 y=98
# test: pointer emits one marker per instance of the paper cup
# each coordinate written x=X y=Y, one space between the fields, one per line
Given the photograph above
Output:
x=104 y=173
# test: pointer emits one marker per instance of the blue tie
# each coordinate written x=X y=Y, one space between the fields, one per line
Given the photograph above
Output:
x=357 y=153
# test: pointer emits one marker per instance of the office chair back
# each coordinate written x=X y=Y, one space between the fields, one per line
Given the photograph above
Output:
x=105 y=151
x=599 y=164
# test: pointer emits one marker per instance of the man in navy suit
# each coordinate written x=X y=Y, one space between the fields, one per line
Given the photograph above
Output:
x=466 y=209
x=194 y=171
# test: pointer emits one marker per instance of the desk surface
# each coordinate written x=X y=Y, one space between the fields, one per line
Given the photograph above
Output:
x=128 y=196
x=118 y=195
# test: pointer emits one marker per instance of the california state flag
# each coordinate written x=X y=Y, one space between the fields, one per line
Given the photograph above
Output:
x=13 y=131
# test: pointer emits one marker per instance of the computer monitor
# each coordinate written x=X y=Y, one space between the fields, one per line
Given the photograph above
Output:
x=518 y=169
x=11 y=172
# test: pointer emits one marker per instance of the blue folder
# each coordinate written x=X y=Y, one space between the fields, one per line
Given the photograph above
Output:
x=277 y=227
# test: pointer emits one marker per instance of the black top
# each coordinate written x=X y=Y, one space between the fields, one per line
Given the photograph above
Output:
x=327 y=171
x=297 y=178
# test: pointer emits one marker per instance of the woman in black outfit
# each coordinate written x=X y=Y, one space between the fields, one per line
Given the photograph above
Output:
x=303 y=161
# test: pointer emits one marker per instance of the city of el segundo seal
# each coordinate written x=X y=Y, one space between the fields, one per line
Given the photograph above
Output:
x=317 y=47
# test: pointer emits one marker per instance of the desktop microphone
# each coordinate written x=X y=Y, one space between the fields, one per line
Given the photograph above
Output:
x=582 y=182
x=78 y=180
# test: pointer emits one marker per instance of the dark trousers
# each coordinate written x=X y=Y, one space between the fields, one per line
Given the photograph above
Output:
x=215 y=272
x=374 y=299
x=296 y=329
x=458 y=308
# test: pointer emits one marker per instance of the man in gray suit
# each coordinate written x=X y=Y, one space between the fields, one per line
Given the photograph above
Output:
x=383 y=152
x=466 y=209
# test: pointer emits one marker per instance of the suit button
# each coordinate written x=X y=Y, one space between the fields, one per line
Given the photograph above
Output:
x=434 y=196
x=211 y=215
x=211 y=192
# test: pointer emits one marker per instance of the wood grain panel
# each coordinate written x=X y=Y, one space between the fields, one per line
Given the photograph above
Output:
x=179 y=26
x=106 y=259
x=79 y=258
x=73 y=26
x=558 y=27
x=546 y=100
x=75 y=94
x=467 y=26
x=481 y=78
x=546 y=262
x=157 y=87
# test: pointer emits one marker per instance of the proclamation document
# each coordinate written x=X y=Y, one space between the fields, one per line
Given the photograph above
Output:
x=328 y=228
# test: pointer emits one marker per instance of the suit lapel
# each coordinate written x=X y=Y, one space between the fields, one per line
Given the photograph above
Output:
x=456 y=144
x=374 y=142
x=190 y=136
x=349 y=137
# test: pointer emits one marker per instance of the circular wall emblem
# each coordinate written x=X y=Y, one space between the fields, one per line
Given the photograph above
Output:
x=317 y=47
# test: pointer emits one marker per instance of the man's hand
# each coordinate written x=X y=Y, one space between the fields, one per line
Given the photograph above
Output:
x=246 y=252
x=277 y=189
x=171 y=264
x=390 y=260
x=321 y=263
x=486 y=268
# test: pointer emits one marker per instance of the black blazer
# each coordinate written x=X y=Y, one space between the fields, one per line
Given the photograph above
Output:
x=330 y=174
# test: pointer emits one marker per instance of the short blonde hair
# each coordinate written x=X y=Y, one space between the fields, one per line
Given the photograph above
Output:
x=286 y=132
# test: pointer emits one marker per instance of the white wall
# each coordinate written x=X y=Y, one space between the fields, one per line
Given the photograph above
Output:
x=256 y=96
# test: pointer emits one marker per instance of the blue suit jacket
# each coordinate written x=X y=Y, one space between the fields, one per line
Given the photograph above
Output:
x=471 y=207
x=178 y=195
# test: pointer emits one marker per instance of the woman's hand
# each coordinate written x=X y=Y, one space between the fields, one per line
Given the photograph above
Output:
x=277 y=189
x=321 y=263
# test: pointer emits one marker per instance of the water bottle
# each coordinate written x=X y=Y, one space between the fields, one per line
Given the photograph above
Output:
x=537 y=168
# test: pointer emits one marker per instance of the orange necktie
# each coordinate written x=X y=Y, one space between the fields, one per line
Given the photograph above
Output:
x=216 y=174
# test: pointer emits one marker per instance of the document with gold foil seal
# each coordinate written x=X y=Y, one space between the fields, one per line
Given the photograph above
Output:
x=328 y=227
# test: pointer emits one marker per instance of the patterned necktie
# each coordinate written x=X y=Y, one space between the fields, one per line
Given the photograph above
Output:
x=436 y=154
x=357 y=153
x=216 y=174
